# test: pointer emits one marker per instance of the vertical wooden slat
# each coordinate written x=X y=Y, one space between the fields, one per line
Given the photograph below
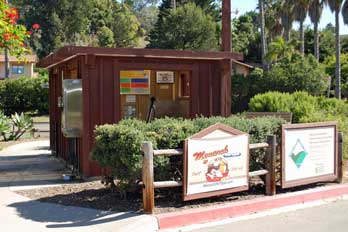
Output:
x=194 y=85
x=340 y=159
x=147 y=176
x=86 y=140
x=270 y=166
x=225 y=86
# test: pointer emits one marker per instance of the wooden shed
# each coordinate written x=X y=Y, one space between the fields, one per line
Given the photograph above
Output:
x=118 y=83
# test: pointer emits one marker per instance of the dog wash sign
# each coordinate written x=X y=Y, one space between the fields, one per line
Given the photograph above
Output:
x=216 y=162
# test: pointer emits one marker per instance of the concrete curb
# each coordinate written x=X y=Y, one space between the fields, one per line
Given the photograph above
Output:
x=235 y=209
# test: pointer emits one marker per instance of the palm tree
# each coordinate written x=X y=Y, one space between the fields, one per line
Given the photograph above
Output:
x=315 y=11
x=287 y=17
x=335 y=6
x=263 y=34
x=345 y=12
x=173 y=4
x=273 y=21
x=280 y=49
x=300 y=13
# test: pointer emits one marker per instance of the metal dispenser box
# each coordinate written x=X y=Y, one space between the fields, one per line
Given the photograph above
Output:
x=72 y=120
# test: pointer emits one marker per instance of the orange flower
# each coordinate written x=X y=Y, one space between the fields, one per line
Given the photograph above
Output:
x=7 y=36
x=12 y=15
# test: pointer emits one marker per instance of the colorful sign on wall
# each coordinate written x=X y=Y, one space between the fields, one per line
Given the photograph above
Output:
x=309 y=153
x=216 y=162
x=135 y=82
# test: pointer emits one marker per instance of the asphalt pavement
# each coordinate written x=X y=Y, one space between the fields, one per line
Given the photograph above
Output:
x=330 y=217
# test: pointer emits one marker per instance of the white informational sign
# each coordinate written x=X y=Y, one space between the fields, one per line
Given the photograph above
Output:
x=164 y=77
x=217 y=161
x=131 y=99
x=309 y=152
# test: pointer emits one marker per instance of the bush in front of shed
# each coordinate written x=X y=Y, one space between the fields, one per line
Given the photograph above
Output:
x=117 y=147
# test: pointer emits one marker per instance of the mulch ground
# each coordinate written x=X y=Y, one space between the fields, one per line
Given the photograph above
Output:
x=95 y=195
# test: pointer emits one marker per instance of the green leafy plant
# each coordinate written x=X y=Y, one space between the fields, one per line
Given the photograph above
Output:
x=305 y=108
x=24 y=95
x=4 y=124
x=12 y=128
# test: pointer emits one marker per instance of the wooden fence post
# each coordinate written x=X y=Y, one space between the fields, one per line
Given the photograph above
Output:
x=147 y=175
x=340 y=159
x=270 y=166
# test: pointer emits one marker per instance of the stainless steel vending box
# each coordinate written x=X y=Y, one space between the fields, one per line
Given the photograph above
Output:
x=72 y=108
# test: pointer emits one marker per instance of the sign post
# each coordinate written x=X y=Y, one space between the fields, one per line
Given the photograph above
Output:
x=216 y=162
x=309 y=153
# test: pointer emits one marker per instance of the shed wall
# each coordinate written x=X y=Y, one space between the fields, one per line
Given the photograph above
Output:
x=101 y=95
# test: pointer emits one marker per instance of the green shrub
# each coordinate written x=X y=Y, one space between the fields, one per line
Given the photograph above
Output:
x=301 y=104
x=14 y=127
x=24 y=95
x=117 y=147
x=305 y=108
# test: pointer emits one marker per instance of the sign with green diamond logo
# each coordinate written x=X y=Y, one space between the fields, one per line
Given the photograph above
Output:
x=309 y=153
x=298 y=153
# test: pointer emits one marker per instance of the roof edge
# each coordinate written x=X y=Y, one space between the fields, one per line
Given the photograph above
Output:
x=69 y=52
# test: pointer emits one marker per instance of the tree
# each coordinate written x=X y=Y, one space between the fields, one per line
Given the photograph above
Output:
x=345 y=12
x=327 y=42
x=12 y=35
x=315 y=11
x=105 y=37
x=125 y=26
x=273 y=19
x=280 y=49
x=296 y=73
x=263 y=33
x=244 y=34
x=330 y=67
x=186 y=28
x=209 y=7
x=335 y=6
x=287 y=17
x=78 y=22
x=300 y=12
x=138 y=5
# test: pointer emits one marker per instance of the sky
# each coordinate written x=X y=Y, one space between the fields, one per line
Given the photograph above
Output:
x=328 y=17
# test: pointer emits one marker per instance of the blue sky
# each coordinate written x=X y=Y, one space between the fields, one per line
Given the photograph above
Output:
x=328 y=17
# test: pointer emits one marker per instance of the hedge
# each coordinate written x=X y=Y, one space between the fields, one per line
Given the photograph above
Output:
x=305 y=108
x=117 y=147
x=24 y=95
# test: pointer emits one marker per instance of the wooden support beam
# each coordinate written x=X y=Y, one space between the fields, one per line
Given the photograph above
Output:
x=258 y=173
x=258 y=145
x=167 y=184
x=340 y=159
x=148 y=188
x=270 y=166
x=168 y=152
x=226 y=43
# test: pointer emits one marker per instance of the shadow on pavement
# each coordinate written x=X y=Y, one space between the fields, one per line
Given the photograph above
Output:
x=31 y=170
x=65 y=216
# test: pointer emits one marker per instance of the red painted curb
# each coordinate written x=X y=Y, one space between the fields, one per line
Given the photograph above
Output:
x=206 y=214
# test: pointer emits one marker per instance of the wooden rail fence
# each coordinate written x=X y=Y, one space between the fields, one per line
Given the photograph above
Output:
x=149 y=184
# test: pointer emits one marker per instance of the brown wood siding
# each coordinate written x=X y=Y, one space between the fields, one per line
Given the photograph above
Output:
x=101 y=94
x=204 y=88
